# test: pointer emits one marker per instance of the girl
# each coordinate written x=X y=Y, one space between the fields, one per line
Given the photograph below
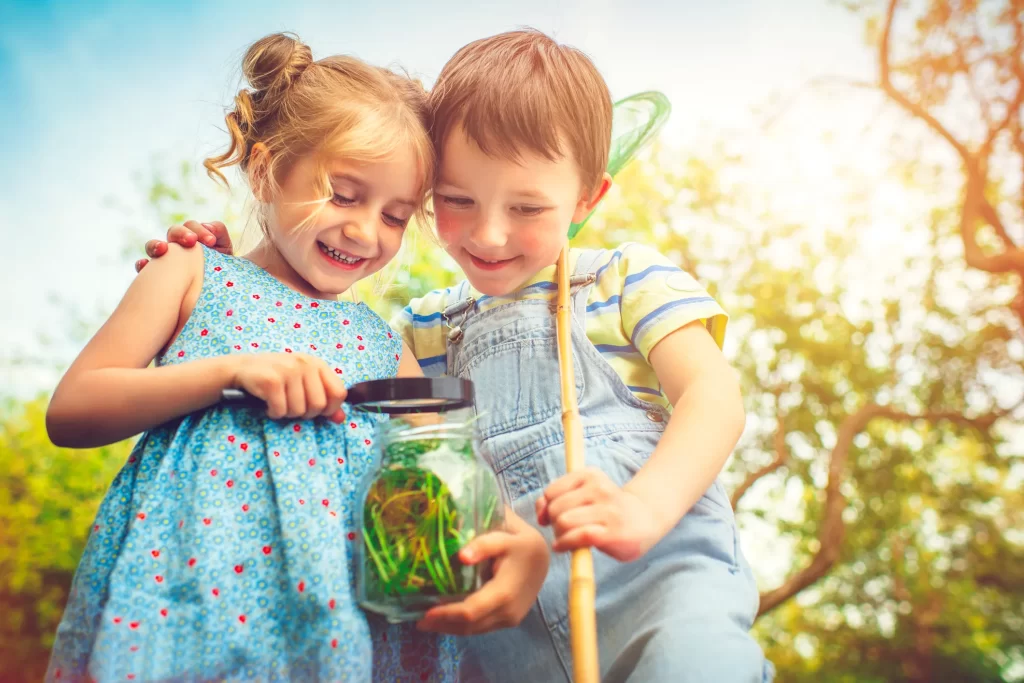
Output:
x=223 y=548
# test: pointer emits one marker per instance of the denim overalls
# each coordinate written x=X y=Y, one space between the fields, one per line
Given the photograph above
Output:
x=680 y=613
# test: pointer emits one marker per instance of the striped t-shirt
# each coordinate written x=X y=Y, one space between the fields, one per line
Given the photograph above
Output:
x=638 y=299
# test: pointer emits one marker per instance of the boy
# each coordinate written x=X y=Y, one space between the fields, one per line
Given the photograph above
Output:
x=522 y=128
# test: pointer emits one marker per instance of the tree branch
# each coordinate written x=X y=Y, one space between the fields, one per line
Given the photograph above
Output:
x=781 y=457
x=832 y=530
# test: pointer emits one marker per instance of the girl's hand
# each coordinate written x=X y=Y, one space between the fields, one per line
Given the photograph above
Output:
x=213 y=235
x=520 y=565
x=294 y=385
x=587 y=509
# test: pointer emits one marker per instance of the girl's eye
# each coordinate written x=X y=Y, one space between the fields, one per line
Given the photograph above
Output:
x=457 y=202
x=529 y=210
x=342 y=200
x=395 y=221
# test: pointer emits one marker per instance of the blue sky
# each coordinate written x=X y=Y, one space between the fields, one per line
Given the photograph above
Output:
x=93 y=92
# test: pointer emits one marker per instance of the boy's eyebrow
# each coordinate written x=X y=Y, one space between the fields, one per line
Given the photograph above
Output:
x=533 y=194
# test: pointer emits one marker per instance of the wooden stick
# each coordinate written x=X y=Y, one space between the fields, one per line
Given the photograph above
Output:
x=582 y=611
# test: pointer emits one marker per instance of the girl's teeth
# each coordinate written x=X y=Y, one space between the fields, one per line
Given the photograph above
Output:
x=337 y=256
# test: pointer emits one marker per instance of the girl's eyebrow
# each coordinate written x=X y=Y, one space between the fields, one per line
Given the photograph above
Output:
x=348 y=177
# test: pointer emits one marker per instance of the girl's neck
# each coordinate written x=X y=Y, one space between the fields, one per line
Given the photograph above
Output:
x=266 y=256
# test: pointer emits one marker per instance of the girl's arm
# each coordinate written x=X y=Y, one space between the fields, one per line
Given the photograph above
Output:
x=707 y=421
x=109 y=393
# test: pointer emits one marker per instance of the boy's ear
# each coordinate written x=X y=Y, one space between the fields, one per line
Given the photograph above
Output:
x=589 y=202
x=259 y=173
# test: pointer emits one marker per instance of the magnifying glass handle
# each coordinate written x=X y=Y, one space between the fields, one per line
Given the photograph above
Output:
x=241 y=397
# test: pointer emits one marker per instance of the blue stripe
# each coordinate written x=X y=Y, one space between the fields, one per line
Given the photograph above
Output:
x=615 y=256
x=601 y=304
x=653 y=315
x=417 y=318
x=636 y=277
x=424 y=362
x=611 y=348
x=644 y=390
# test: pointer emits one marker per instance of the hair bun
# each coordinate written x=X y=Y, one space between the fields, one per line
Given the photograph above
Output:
x=272 y=63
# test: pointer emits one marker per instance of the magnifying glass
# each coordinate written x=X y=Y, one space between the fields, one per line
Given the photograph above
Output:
x=394 y=396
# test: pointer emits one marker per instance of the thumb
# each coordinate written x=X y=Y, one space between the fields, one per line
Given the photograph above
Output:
x=489 y=545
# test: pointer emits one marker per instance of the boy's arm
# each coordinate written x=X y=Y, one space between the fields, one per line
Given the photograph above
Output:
x=109 y=393
x=707 y=421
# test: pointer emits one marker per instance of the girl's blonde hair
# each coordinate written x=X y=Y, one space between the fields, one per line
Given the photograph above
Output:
x=335 y=107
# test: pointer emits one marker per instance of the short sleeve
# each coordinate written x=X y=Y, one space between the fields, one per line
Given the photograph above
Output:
x=421 y=325
x=658 y=298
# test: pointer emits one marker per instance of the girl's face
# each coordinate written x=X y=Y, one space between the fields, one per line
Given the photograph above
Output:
x=356 y=232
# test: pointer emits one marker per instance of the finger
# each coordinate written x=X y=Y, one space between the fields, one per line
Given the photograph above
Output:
x=587 y=515
x=156 y=248
x=541 y=507
x=482 y=611
x=336 y=393
x=489 y=545
x=277 y=402
x=316 y=397
x=201 y=233
x=222 y=238
x=576 y=498
x=295 y=394
x=566 y=483
x=140 y=264
x=591 y=536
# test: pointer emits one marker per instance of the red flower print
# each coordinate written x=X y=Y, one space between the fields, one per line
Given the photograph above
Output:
x=216 y=269
x=359 y=337
x=229 y=483
x=302 y=586
x=267 y=550
x=312 y=346
x=244 y=446
x=259 y=473
x=191 y=561
x=213 y=473
x=163 y=612
x=96 y=528
x=229 y=283
x=255 y=345
x=314 y=305
x=245 y=507
x=238 y=327
x=256 y=296
x=367 y=441
x=339 y=346
x=341 y=461
x=134 y=648
x=298 y=306
x=239 y=569
x=353 y=425
x=344 y=322
x=131 y=677
x=278 y=303
x=117 y=620
x=325 y=502
x=334 y=643
x=231 y=438
x=241 y=618
x=338 y=371
x=237 y=347
x=389 y=335
x=181 y=354
x=312 y=461
x=362 y=348
x=287 y=350
x=297 y=326
x=158 y=578
x=351 y=535
x=270 y=320
x=297 y=428
x=203 y=333
x=277 y=454
x=397 y=357
x=229 y=313
x=216 y=592
x=154 y=553
x=331 y=603
x=141 y=515
x=207 y=521
x=301 y=501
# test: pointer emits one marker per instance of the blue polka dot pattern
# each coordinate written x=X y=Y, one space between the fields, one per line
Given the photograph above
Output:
x=224 y=547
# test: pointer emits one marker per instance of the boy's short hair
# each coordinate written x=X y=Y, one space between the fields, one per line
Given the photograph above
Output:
x=522 y=89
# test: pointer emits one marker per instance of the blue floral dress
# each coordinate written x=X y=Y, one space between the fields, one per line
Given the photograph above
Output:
x=224 y=548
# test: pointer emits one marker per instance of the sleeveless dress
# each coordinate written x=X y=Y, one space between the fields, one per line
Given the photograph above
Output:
x=224 y=549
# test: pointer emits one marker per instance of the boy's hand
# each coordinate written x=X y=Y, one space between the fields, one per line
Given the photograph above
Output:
x=213 y=235
x=587 y=509
x=520 y=566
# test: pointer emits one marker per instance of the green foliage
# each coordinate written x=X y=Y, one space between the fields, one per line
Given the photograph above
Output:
x=48 y=499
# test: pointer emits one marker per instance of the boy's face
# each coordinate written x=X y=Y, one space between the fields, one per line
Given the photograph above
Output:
x=501 y=220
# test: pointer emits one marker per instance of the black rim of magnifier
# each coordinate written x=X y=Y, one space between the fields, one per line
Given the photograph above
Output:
x=394 y=396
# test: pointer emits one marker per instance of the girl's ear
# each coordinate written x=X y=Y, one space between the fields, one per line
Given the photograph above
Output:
x=259 y=173
x=590 y=201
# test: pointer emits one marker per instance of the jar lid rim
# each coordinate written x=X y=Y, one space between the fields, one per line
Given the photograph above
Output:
x=404 y=395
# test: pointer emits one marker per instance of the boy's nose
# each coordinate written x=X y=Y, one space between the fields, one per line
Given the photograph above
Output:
x=490 y=234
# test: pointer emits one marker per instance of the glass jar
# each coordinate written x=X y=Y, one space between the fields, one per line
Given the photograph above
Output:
x=430 y=496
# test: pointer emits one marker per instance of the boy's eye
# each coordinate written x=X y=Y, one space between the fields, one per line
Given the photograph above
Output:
x=342 y=200
x=395 y=221
x=457 y=202
x=529 y=210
